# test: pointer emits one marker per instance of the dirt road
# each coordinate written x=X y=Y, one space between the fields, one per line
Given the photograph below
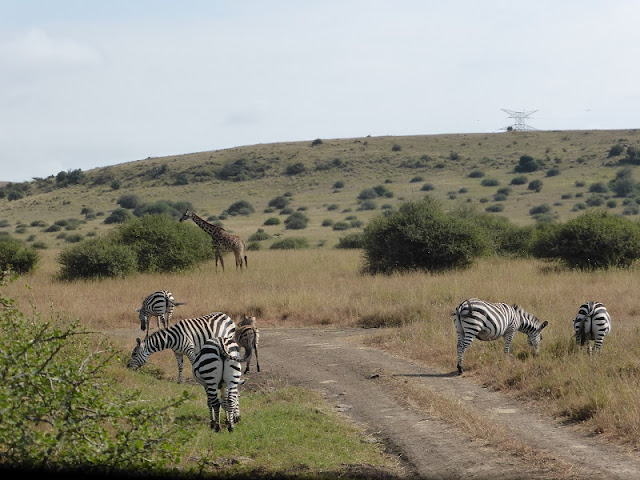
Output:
x=367 y=385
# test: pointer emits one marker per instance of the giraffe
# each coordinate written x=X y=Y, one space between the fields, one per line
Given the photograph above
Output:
x=222 y=240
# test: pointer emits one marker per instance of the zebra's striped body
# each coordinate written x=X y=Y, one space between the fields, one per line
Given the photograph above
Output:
x=247 y=337
x=159 y=304
x=186 y=338
x=476 y=318
x=593 y=322
x=215 y=370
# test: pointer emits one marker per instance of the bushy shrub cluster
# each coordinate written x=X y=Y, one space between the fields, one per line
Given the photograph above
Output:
x=152 y=243
x=592 y=241
x=290 y=243
x=61 y=413
x=16 y=255
x=419 y=235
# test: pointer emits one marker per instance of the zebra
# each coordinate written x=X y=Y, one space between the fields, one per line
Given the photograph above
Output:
x=215 y=370
x=159 y=304
x=186 y=338
x=593 y=322
x=490 y=321
x=247 y=337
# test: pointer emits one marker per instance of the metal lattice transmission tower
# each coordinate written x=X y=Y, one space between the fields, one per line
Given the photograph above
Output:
x=520 y=117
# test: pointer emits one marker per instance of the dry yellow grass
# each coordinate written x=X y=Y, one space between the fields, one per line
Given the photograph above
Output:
x=325 y=287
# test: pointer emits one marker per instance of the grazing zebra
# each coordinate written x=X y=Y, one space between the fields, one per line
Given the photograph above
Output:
x=593 y=322
x=159 y=304
x=215 y=370
x=247 y=337
x=186 y=338
x=490 y=321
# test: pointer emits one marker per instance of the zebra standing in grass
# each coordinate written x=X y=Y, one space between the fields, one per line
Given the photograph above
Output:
x=159 y=304
x=247 y=337
x=593 y=322
x=215 y=370
x=490 y=321
x=186 y=338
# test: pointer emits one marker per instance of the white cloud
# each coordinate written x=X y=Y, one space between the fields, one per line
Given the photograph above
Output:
x=35 y=50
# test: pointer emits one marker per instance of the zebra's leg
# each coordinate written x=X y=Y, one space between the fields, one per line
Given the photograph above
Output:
x=463 y=344
x=255 y=348
x=179 y=360
x=214 y=408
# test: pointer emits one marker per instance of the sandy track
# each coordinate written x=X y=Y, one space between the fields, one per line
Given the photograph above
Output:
x=367 y=384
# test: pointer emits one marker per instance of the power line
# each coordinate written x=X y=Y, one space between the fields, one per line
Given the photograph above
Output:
x=519 y=117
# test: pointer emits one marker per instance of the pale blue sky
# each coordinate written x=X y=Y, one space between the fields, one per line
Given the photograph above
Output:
x=90 y=83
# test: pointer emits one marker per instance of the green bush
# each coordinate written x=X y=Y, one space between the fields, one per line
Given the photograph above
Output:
x=419 y=235
x=527 y=164
x=96 y=258
x=593 y=240
x=164 y=245
x=241 y=207
x=129 y=201
x=296 y=221
x=272 y=221
x=279 y=202
x=351 y=240
x=119 y=215
x=16 y=255
x=290 y=243
x=259 y=235
x=61 y=412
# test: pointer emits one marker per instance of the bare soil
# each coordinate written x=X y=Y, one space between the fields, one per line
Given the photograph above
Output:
x=371 y=388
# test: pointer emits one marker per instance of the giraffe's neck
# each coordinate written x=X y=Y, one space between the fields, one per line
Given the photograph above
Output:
x=211 y=229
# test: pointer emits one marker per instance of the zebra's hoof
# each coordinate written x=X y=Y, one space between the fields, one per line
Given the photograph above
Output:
x=459 y=369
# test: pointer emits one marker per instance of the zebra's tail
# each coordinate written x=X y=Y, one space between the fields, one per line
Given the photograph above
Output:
x=175 y=304
x=584 y=338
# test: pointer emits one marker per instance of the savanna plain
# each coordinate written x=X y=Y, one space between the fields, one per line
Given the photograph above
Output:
x=321 y=286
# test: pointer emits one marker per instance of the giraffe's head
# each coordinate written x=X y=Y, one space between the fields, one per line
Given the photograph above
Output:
x=186 y=215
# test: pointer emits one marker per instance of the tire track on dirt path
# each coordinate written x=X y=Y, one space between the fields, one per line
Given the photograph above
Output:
x=363 y=382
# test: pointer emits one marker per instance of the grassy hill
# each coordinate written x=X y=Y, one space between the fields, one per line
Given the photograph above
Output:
x=460 y=169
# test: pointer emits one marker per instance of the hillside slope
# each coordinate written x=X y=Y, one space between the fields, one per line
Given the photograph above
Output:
x=324 y=178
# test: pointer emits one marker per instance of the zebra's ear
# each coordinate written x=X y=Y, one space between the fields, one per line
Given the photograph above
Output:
x=544 y=324
x=136 y=310
x=138 y=341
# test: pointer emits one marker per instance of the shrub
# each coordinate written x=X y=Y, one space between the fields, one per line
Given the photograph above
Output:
x=241 y=207
x=591 y=241
x=489 y=182
x=129 y=201
x=164 y=245
x=119 y=215
x=552 y=172
x=535 y=185
x=272 y=221
x=259 y=235
x=338 y=184
x=96 y=258
x=367 y=194
x=616 y=150
x=242 y=170
x=279 y=202
x=295 y=169
x=296 y=221
x=419 y=235
x=351 y=240
x=520 y=180
x=527 y=164
x=62 y=413
x=498 y=207
x=341 y=226
x=427 y=187
x=476 y=174
x=291 y=243
x=16 y=255
x=416 y=179
x=316 y=142
x=598 y=187
x=539 y=209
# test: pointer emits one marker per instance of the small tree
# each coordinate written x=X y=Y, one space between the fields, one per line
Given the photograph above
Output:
x=419 y=235
x=16 y=255
x=535 y=185
x=527 y=164
x=591 y=241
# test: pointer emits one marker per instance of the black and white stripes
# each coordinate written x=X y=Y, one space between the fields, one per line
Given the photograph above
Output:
x=159 y=304
x=476 y=318
x=247 y=337
x=215 y=370
x=186 y=338
x=593 y=322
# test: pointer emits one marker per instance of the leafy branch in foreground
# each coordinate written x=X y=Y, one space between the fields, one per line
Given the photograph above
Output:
x=59 y=410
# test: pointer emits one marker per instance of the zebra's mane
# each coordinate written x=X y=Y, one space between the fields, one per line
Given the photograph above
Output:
x=528 y=321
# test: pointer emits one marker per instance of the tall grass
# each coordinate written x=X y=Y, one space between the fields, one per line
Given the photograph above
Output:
x=325 y=287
